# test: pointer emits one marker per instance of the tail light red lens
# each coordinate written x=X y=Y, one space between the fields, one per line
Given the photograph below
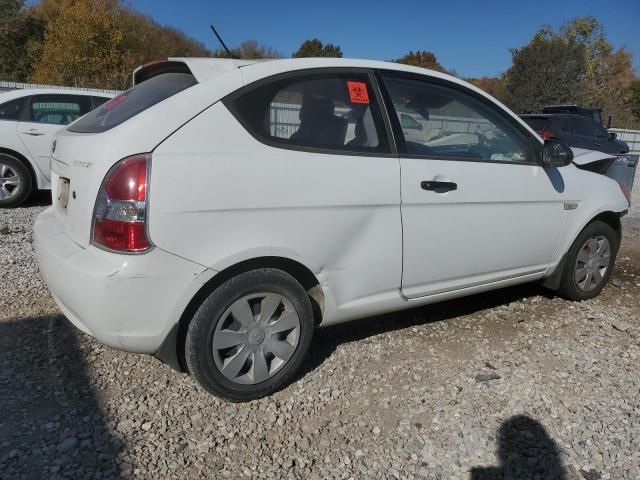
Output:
x=120 y=215
x=546 y=134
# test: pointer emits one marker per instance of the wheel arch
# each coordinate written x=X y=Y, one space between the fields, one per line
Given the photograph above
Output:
x=609 y=217
x=294 y=268
x=26 y=162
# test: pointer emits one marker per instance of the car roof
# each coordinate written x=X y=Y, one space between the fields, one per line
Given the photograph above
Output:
x=205 y=69
x=551 y=115
x=26 y=92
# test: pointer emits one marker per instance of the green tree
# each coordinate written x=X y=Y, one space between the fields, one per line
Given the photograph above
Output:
x=492 y=85
x=634 y=100
x=609 y=73
x=98 y=43
x=423 y=59
x=249 y=50
x=86 y=47
x=315 y=48
x=19 y=36
x=548 y=70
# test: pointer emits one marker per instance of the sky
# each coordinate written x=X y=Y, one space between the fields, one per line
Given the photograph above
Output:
x=471 y=37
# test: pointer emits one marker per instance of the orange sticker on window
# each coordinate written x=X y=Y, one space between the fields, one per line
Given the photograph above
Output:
x=358 y=92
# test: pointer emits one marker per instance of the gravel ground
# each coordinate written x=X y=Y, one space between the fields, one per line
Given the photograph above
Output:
x=513 y=384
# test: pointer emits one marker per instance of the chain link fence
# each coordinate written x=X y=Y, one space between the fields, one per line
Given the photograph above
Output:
x=8 y=86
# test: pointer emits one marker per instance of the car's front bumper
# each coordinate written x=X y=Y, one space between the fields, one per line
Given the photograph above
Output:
x=129 y=302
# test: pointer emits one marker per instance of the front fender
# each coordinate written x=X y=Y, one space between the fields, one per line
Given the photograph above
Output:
x=587 y=195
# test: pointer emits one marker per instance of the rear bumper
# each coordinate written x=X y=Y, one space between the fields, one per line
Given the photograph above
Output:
x=129 y=302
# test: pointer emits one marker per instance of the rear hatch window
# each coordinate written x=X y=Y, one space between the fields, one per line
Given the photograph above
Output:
x=133 y=101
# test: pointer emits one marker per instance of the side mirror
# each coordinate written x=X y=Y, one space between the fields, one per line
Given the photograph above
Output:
x=613 y=135
x=556 y=154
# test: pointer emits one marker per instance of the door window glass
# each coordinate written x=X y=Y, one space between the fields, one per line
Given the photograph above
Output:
x=580 y=127
x=597 y=129
x=11 y=110
x=59 y=109
x=454 y=124
x=335 y=112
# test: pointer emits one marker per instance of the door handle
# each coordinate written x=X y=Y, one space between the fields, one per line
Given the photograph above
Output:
x=34 y=133
x=597 y=144
x=438 y=187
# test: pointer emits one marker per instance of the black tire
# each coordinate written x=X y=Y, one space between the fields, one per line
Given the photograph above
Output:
x=199 y=339
x=569 y=288
x=26 y=181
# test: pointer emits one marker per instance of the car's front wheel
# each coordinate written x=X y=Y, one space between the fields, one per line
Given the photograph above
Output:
x=15 y=181
x=251 y=335
x=589 y=262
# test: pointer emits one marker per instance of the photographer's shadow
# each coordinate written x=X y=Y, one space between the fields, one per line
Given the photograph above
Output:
x=525 y=451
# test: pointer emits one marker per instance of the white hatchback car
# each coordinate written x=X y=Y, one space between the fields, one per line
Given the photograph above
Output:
x=220 y=210
x=28 y=121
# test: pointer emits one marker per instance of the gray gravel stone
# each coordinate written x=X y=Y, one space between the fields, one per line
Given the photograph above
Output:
x=393 y=397
x=486 y=377
x=67 y=444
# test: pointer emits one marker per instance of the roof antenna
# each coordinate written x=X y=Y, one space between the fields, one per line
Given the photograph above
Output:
x=231 y=55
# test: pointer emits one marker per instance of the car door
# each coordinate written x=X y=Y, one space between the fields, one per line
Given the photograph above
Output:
x=582 y=135
x=600 y=137
x=9 y=115
x=477 y=206
x=43 y=117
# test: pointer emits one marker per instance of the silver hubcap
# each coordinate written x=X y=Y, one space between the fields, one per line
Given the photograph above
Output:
x=592 y=263
x=9 y=182
x=256 y=337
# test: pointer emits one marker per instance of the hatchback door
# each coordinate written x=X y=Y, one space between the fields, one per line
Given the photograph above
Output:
x=477 y=207
x=44 y=117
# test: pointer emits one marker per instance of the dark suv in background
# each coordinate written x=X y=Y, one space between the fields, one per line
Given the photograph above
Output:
x=576 y=126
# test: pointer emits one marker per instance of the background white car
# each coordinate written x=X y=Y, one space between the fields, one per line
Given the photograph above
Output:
x=217 y=212
x=29 y=119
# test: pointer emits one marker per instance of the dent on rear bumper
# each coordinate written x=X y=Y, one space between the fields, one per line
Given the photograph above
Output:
x=129 y=302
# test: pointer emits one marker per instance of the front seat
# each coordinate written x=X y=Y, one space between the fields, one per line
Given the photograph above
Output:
x=318 y=125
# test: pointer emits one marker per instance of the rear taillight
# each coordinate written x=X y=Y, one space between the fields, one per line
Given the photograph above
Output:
x=119 y=218
x=546 y=134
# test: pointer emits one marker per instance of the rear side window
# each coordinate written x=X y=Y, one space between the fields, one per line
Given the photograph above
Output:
x=325 y=111
x=560 y=125
x=11 y=110
x=130 y=103
x=580 y=126
x=538 y=124
x=59 y=109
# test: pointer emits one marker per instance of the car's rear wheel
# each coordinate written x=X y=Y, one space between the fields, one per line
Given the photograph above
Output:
x=15 y=181
x=250 y=336
x=589 y=262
